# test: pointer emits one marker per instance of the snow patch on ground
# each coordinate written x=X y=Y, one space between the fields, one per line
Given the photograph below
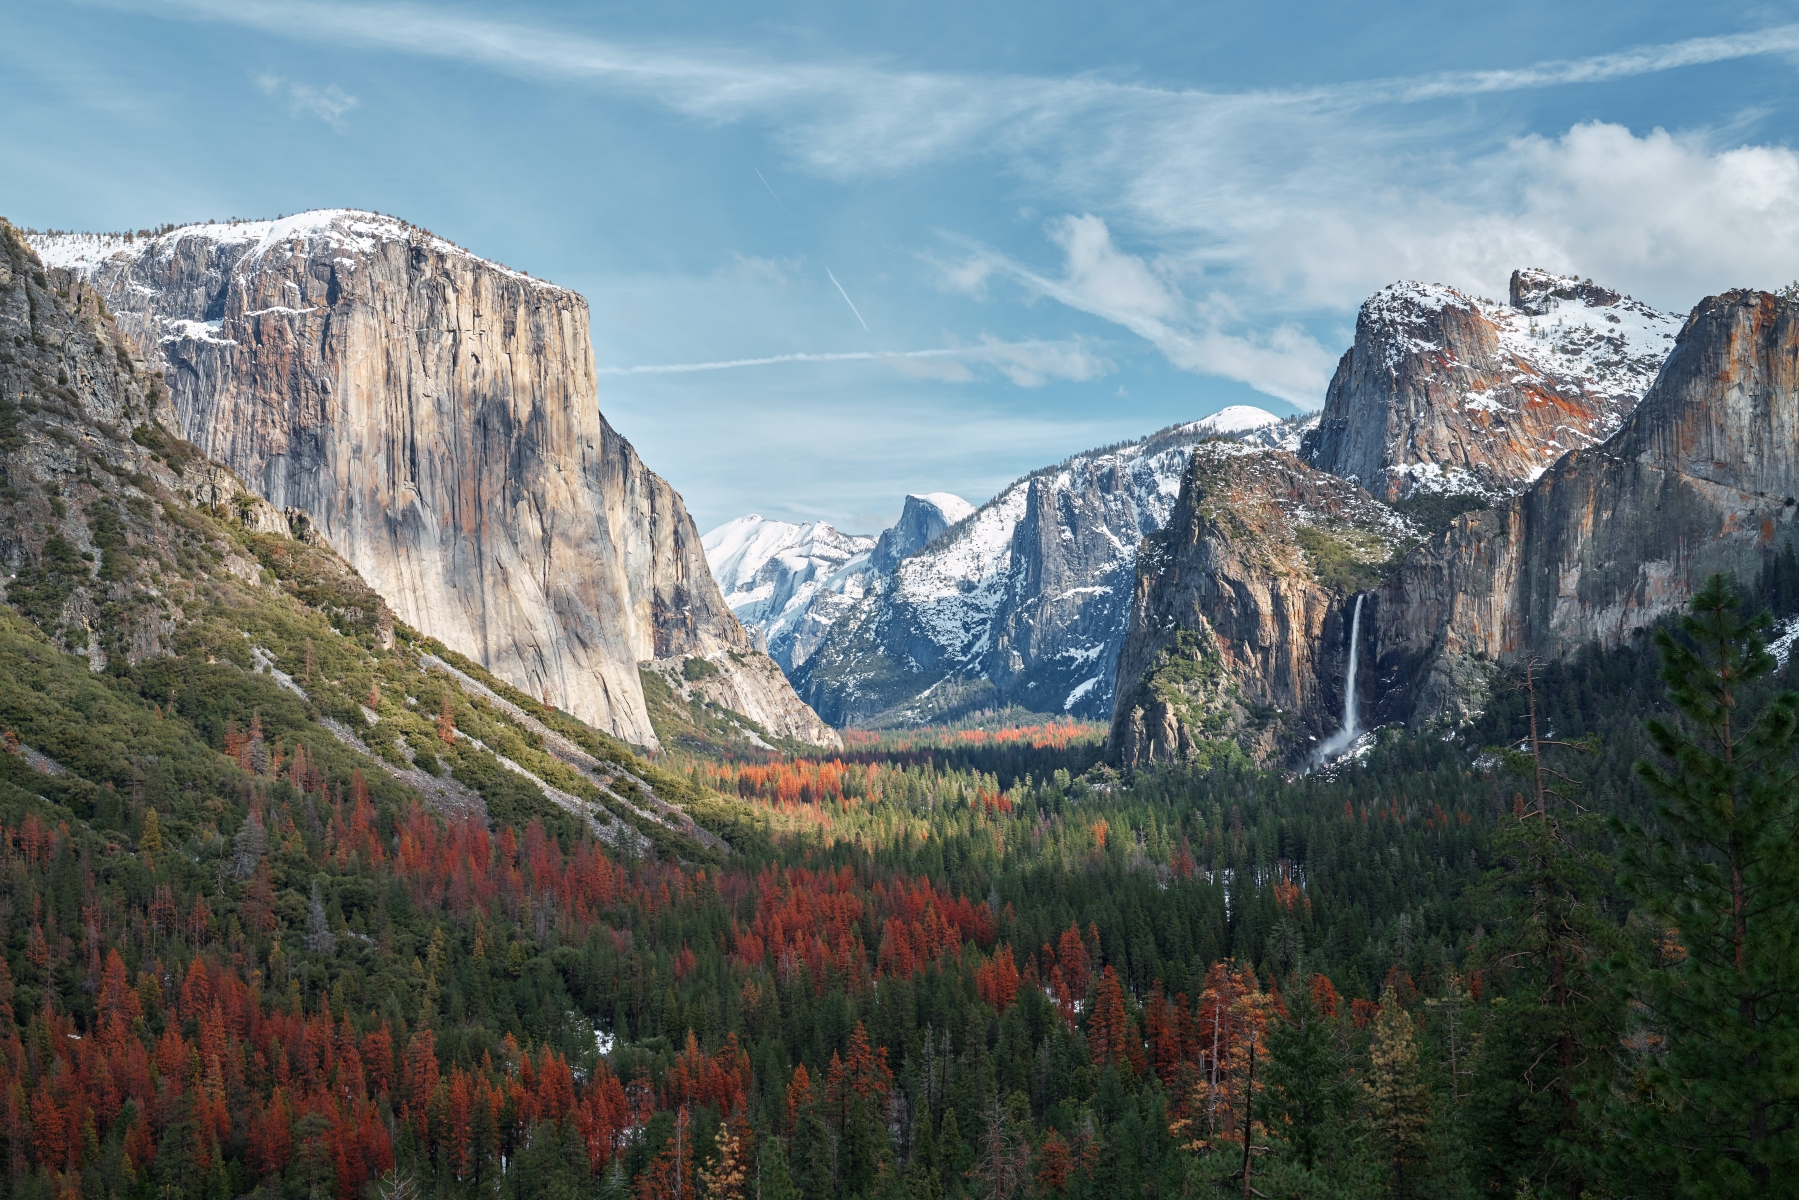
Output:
x=1785 y=634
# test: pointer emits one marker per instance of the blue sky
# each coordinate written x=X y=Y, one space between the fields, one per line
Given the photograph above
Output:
x=976 y=238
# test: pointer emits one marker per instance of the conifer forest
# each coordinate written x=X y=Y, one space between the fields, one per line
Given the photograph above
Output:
x=307 y=905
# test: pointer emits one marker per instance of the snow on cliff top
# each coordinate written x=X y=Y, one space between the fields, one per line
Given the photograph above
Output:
x=1611 y=344
x=952 y=506
x=345 y=228
x=1238 y=418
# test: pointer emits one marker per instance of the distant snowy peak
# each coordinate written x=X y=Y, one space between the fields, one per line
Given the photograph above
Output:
x=953 y=507
x=1448 y=392
x=738 y=550
x=922 y=521
x=347 y=231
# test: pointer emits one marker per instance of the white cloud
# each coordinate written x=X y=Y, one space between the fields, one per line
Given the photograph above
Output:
x=1100 y=279
x=329 y=104
x=753 y=269
x=1287 y=205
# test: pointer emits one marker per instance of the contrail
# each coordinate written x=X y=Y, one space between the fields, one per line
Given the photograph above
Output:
x=848 y=356
x=771 y=191
x=848 y=301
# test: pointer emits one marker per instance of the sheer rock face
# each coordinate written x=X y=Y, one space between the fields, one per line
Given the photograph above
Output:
x=1443 y=392
x=436 y=417
x=1239 y=630
x=1701 y=478
x=922 y=521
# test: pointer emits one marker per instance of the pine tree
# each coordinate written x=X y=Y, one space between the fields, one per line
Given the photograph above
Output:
x=1398 y=1099
x=1109 y=1033
x=951 y=1151
x=814 y=1166
x=1550 y=1044
x=1721 y=877
x=924 y=1175
x=724 y=1179
x=773 y=1181
x=1309 y=1090
x=150 y=840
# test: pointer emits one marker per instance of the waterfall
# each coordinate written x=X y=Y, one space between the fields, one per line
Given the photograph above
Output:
x=1345 y=737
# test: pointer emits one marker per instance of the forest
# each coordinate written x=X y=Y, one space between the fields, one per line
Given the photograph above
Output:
x=303 y=904
x=240 y=959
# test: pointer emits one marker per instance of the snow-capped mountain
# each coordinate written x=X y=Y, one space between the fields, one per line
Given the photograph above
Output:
x=921 y=522
x=790 y=583
x=1449 y=393
x=1025 y=600
x=773 y=573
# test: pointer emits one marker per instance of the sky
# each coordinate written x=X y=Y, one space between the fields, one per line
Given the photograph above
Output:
x=838 y=253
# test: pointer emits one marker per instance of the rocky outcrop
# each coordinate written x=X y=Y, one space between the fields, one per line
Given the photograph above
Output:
x=1239 y=630
x=1446 y=393
x=753 y=694
x=923 y=520
x=436 y=418
x=1701 y=478
x=1025 y=601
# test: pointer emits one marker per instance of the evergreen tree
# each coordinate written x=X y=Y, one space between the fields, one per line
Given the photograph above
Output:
x=1549 y=1041
x=1309 y=1091
x=952 y=1152
x=1720 y=875
x=774 y=1182
x=814 y=1169
x=924 y=1176
x=1398 y=1099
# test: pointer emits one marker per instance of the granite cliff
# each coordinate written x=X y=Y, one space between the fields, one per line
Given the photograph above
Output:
x=1702 y=477
x=1240 y=616
x=1445 y=393
x=435 y=418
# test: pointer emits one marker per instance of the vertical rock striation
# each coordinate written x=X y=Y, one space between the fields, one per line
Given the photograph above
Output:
x=436 y=417
x=1702 y=477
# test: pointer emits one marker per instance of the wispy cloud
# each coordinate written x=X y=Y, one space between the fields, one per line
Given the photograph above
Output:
x=329 y=104
x=1027 y=364
x=1100 y=279
x=1257 y=210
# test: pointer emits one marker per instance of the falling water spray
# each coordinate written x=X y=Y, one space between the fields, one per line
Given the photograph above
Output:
x=1345 y=737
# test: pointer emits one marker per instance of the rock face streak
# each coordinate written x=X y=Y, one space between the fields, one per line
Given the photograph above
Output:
x=437 y=417
x=1702 y=477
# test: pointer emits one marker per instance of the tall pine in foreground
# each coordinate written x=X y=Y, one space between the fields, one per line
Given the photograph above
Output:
x=1547 y=1044
x=1718 y=1081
